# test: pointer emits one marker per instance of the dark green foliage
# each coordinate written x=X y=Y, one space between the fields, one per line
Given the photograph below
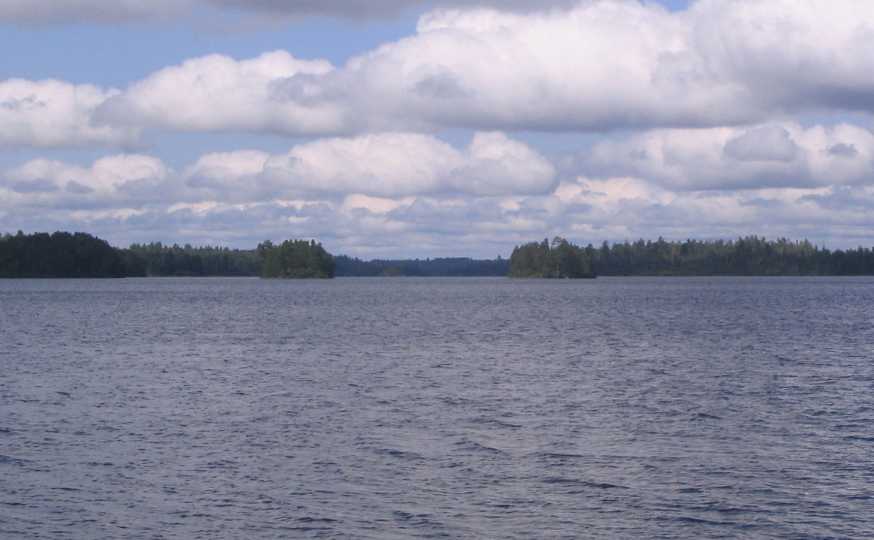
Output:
x=61 y=255
x=159 y=260
x=750 y=256
x=57 y=255
x=443 y=267
x=560 y=260
x=295 y=259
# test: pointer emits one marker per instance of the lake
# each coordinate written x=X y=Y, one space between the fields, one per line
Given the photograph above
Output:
x=437 y=408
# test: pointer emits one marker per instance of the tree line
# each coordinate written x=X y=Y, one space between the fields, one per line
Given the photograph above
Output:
x=156 y=259
x=59 y=255
x=747 y=256
x=439 y=267
x=79 y=255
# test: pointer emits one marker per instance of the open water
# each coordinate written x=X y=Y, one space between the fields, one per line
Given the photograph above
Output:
x=456 y=408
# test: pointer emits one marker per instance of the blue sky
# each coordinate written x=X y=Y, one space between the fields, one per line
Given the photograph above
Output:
x=116 y=54
x=414 y=128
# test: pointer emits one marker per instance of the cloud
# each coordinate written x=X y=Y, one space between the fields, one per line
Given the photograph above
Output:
x=54 y=113
x=381 y=165
x=583 y=209
x=843 y=150
x=105 y=11
x=434 y=202
x=771 y=155
x=373 y=205
x=767 y=143
x=598 y=66
x=110 y=182
x=693 y=105
x=375 y=8
x=109 y=11
x=397 y=164
x=364 y=172
x=37 y=185
x=221 y=173
x=218 y=93
x=794 y=55
x=473 y=68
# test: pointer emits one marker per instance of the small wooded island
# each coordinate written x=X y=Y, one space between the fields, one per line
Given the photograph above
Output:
x=295 y=259
x=80 y=255
x=559 y=260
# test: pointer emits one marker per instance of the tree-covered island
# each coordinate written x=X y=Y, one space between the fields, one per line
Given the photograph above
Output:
x=295 y=259
x=558 y=260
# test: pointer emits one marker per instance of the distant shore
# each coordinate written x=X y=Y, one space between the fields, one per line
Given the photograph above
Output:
x=80 y=255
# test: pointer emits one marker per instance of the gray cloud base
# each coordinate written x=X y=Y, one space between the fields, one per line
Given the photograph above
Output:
x=111 y=11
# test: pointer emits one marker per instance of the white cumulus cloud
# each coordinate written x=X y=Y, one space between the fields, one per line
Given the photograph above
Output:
x=597 y=66
x=380 y=165
x=123 y=179
x=371 y=167
x=54 y=113
x=216 y=92
x=770 y=155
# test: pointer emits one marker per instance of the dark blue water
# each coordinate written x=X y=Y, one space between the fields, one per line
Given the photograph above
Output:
x=616 y=408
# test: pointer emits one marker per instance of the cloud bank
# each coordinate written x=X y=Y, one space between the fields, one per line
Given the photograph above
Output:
x=769 y=155
x=596 y=67
x=397 y=194
x=390 y=165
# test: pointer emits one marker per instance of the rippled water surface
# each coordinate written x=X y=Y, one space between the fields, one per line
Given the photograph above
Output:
x=615 y=408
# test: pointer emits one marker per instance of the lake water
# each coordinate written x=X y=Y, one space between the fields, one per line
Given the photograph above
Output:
x=437 y=408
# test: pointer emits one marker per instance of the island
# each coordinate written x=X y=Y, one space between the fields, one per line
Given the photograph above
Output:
x=295 y=259
x=558 y=260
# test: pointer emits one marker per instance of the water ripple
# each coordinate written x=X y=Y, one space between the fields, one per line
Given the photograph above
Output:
x=480 y=408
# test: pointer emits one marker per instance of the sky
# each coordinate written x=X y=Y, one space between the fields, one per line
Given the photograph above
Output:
x=416 y=128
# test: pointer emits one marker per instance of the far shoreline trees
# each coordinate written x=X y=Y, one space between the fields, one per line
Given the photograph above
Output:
x=156 y=259
x=747 y=256
x=295 y=259
x=438 y=267
x=59 y=255
x=79 y=255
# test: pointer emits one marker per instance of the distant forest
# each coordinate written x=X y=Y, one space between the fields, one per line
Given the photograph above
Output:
x=60 y=255
x=749 y=256
x=159 y=260
x=445 y=267
x=80 y=255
